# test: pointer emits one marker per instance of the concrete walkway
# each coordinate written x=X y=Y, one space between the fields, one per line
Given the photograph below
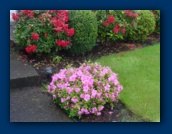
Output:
x=31 y=104
x=21 y=74
x=28 y=102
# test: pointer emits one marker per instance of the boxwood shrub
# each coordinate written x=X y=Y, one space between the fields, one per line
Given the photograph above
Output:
x=85 y=24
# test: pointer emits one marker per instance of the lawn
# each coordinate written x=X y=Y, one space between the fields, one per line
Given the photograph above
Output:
x=139 y=73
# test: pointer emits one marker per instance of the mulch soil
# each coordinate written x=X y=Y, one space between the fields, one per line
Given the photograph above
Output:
x=45 y=67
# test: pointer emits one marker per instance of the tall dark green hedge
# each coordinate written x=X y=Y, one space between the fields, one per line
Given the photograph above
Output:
x=85 y=24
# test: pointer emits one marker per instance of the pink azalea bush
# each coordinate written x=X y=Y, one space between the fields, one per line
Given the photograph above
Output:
x=85 y=90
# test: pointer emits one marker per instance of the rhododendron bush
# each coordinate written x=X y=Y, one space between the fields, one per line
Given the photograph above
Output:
x=85 y=90
x=114 y=24
x=46 y=30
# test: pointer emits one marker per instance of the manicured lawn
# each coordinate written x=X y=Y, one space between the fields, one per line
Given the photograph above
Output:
x=139 y=73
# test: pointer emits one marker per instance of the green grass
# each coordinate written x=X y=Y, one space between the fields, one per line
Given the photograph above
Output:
x=139 y=73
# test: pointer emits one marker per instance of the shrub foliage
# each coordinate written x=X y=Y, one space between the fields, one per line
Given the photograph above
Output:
x=85 y=24
x=85 y=90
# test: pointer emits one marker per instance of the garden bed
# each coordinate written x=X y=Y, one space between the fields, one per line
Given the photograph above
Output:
x=46 y=68
x=41 y=63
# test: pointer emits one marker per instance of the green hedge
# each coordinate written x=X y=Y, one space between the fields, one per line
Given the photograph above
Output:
x=85 y=24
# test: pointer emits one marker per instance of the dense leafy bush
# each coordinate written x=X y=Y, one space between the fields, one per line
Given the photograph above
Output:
x=143 y=26
x=85 y=25
x=110 y=31
x=157 y=17
x=85 y=90
x=42 y=31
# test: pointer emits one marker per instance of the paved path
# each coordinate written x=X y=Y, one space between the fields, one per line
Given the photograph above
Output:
x=28 y=102
x=31 y=104
x=21 y=74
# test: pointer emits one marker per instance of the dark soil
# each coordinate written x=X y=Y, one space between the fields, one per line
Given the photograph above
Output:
x=45 y=67
x=119 y=114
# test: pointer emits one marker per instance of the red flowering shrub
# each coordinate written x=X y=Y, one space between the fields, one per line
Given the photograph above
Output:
x=110 y=26
x=125 y=25
x=142 y=27
x=48 y=30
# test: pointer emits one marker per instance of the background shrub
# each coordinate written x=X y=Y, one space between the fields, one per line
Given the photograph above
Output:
x=110 y=32
x=85 y=24
x=157 y=18
x=142 y=27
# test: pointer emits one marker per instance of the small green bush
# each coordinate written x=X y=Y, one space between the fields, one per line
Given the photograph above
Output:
x=85 y=24
x=144 y=26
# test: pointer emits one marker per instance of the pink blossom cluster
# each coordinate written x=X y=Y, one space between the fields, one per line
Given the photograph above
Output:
x=85 y=90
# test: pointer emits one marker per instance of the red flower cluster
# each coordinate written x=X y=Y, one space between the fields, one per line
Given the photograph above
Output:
x=70 y=32
x=130 y=14
x=60 y=26
x=15 y=16
x=106 y=24
x=30 y=13
x=111 y=19
x=35 y=36
x=31 y=48
x=118 y=29
x=63 y=43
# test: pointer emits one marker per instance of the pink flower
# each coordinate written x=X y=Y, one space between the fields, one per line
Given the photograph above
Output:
x=93 y=110
x=119 y=88
x=101 y=108
x=74 y=100
x=79 y=73
x=54 y=96
x=83 y=110
x=110 y=112
x=72 y=78
x=80 y=112
x=87 y=97
x=112 y=77
x=85 y=89
x=116 y=82
x=62 y=100
x=93 y=93
x=82 y=96
x=107 y=88
x=77 y=90
x=99 y=113
x=70 y=90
